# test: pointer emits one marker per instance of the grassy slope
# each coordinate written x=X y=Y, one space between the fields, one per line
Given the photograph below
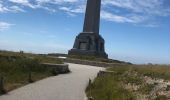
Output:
x=110 y=87
x=15 y=67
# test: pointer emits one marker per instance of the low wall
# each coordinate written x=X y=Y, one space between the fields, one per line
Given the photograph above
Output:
x=60 y=68
x=92 y=63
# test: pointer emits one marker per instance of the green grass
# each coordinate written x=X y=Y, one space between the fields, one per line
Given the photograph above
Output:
x=111 y=86
x=46 y=59
x=97 y=59
x=108 y=87
x=40 y=58
x=154 y=71
x=15 y=68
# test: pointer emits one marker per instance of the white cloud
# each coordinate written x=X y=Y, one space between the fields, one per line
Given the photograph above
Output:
x=23 y=2
x=121 y=19
x=16 y=9
x=4 y=26
x=153 y=7
x=111 y=17
x=20 y=1
x=121 y=11
x=69 y=6
x=79 y=9
x=57 y=1
x=142 y=12
x=13 y=8
x=3 y=9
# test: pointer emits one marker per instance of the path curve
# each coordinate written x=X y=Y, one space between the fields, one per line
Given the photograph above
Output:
x=62 y=87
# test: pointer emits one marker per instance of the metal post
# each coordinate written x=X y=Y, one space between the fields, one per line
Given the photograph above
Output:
x=30 y=76
x=89 y=82
x=2 y=90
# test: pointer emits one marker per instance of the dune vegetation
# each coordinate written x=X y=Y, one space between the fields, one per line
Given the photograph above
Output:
x=132 y=82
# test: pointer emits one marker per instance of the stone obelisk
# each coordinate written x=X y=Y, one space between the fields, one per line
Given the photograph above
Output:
x=92 y=16
x=89 y=42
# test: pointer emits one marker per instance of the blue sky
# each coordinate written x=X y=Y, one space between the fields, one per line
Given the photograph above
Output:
x=134 y=30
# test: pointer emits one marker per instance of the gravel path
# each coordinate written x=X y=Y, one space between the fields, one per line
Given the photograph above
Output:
x=62 y=87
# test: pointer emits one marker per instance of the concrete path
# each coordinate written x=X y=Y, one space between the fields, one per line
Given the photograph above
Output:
x=62 y=87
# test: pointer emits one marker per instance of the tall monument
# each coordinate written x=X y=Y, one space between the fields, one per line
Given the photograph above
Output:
x=89 y=42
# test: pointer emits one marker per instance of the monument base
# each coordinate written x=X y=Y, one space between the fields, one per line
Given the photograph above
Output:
x=89 y=44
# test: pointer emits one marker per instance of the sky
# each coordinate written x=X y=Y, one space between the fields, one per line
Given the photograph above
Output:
x=134 y=30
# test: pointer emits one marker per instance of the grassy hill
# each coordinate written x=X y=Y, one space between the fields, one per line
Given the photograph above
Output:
x=15 y=68
x=132 y=82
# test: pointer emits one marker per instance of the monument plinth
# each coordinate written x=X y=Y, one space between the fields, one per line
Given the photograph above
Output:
x=89 y=42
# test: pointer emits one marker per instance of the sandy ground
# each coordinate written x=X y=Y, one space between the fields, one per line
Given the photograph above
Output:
x=62 y=87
